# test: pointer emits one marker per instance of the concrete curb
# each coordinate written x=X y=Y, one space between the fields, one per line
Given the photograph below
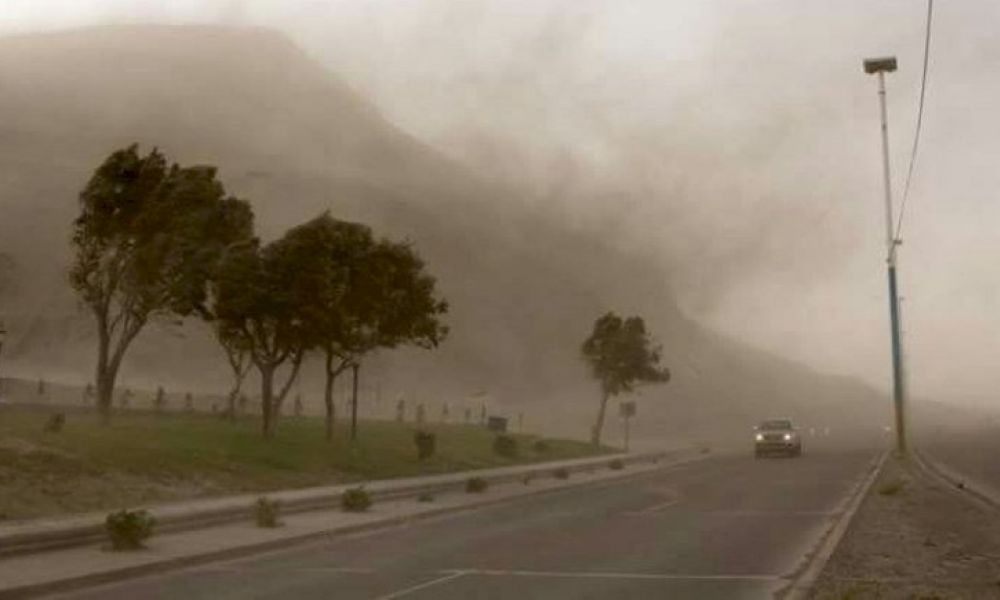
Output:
x=957 y=482
x=154 y=567
x=802 y=585
x=45 y=535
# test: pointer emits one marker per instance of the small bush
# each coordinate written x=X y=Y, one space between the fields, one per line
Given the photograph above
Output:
x=55 y=423
x=356 y=500
x=705 y=450
x=505 y=446
x=476 y=485
x=425 y=497
x=542 y=446
x=892 y=488
x=267 y=512
x=526 y=479
x=561 y=473
x=128 y=529
x=616 y=464
x=426 y=444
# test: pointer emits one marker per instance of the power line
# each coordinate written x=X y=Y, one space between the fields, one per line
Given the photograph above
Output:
x=920 y=119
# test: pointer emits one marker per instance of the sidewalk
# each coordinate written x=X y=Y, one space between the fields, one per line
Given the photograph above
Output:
x=32 y=574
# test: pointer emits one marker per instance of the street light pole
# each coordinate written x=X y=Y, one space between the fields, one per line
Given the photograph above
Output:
x=3 y=334
x=879 y=67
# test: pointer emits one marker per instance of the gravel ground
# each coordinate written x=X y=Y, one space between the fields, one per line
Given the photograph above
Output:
x=914 y=537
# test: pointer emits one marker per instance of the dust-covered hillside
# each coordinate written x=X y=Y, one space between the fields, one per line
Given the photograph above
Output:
x=294 y=140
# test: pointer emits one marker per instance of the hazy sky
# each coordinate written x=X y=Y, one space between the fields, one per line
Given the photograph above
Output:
x=735 y=139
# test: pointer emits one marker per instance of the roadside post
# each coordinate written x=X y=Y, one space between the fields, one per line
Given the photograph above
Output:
x=881 y=66
x=627 y=411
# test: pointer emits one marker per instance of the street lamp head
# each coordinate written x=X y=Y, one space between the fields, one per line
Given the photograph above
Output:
x=885 y=64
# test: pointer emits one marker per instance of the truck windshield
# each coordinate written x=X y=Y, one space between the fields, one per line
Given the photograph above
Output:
x=780 y=424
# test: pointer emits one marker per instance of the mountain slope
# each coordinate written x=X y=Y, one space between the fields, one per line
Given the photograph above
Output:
x=294 y=140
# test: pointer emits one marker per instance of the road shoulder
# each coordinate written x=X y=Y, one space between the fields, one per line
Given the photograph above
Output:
x=915 y=536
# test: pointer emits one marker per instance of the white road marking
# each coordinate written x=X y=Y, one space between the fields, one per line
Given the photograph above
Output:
x=406 y=591
x=604 y=575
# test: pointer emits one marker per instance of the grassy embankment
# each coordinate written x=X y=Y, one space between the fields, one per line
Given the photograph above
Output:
x=144 y=458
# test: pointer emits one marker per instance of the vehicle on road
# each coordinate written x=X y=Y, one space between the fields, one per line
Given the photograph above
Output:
x=777 y=436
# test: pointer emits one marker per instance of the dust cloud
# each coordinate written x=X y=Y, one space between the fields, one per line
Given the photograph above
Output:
x=726 y=152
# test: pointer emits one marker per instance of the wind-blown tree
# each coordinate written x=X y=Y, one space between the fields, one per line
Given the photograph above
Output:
x=362 y=294
x=257 y=307
x=146 y=241
x=238 y=356
x=621 y=354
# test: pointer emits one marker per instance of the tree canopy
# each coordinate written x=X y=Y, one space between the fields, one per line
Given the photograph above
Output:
x=621 y=354
x=146 y=241
x=361 y=294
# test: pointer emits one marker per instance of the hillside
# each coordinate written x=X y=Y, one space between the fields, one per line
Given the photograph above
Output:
x=294 y=140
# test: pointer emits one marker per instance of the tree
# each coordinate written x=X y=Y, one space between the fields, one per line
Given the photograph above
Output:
x=362 y=294
x=620 y=354
x=238 y=357
x=146 y=240
x=256 y=303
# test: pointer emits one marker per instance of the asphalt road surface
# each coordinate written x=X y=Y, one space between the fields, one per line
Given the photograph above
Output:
x=725 y=527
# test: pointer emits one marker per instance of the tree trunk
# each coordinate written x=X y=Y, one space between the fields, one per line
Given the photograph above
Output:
x=595 y=437
x=267 y=400
x=328 y=397
x=105 y=383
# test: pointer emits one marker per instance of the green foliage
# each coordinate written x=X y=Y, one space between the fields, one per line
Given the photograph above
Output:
x=356 y=500
x=267 y=512
x=127 y=530
x=426 y=444
x=476 y=485
x=621 y=354
x=561 y=473
x=146 y=241
x=616 y=464
x=425 y=497
x=505 y=446
x=542 y=446
x=361 y=294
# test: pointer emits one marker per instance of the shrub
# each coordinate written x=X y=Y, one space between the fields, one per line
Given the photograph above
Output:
x=127 y=529
x=561 y=473
x=505 y=445
x=892 y=488
x=425 y=497
x=356 y=500
x=476 y=485
x=526 y=479
x=267 y=512
x=542 y=446
x=426 y=444
x=55 y=423
x=616 y=464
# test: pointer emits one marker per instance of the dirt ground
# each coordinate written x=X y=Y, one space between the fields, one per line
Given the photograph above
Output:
x=915 y=537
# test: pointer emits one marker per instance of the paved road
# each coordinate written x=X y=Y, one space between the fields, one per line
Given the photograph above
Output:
x=726 y=527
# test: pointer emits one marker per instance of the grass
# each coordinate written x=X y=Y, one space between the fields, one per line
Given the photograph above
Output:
x=142 y=458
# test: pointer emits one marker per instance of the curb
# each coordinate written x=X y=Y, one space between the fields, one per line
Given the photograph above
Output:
x=802 y=585
x=30 y=538
x=956 y=481
x=168 y=564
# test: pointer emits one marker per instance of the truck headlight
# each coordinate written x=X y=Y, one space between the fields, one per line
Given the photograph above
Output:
x=760 y=437
x=788 y=437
